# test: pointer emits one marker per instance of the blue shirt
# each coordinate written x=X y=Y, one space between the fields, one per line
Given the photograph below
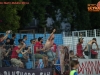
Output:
x=75 y=73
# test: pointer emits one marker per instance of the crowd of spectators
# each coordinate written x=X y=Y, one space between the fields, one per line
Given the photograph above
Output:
x=12 y=55
x=88 y=51
x=18 y=55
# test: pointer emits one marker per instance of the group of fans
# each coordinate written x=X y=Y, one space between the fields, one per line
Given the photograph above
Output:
x=12 y=55
x=18 y=55
x=88 y=52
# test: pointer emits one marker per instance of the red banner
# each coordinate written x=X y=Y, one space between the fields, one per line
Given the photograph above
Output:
x=89 y=67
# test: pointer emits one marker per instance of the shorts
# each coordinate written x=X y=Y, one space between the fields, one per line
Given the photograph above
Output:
x=93 y=54
x=86 y=53
x=39 y=56
x=16 y=62
x=51 y=55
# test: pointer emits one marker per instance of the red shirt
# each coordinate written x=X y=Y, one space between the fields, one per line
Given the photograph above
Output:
x=38 y=45
x=55 y=47
x=14 y=53
x=79 y=50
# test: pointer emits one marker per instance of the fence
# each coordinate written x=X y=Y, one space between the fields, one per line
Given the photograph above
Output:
x=29 y=64
x=71 y=38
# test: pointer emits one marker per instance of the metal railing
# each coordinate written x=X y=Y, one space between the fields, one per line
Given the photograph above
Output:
x=31 y=64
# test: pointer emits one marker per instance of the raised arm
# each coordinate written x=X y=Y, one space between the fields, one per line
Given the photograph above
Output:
x=5 y=37
x=50 y=37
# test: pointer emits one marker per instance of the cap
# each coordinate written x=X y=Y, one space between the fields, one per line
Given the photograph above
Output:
x=40 y=38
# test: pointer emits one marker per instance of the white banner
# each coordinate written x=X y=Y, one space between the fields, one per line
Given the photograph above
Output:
x=89 y=67
x=20 y=71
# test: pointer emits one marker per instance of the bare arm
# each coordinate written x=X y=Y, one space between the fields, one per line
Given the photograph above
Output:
x=51 y=34
x=85 y=48
x=24 y=52
x=37 y=49
x=29 y=50
x=5 y=37
x=81 y=37
x=97 y=45
x=18 y=51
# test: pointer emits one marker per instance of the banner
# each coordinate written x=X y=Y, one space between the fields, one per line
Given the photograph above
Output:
x=19 y=71
x=89 y=67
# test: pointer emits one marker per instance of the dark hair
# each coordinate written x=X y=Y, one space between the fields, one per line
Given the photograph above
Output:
x=74 y=62
x=40 y=38
x=13 y=35
x=20 y=40
x=31 y=40
x=80 y=39
x=94 y=39
x=20 y=43
x=24 y=36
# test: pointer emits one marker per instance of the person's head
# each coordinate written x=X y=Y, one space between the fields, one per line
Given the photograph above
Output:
x=8 y=40
x=40 y=39
x=13 y=35
x=80 y=40
x=36 y=40
x=71 y=52
x=94 y=40
x=25 y=37
x=20 y=41
x=32 y=41
x=1 y=35
x=74 y=64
